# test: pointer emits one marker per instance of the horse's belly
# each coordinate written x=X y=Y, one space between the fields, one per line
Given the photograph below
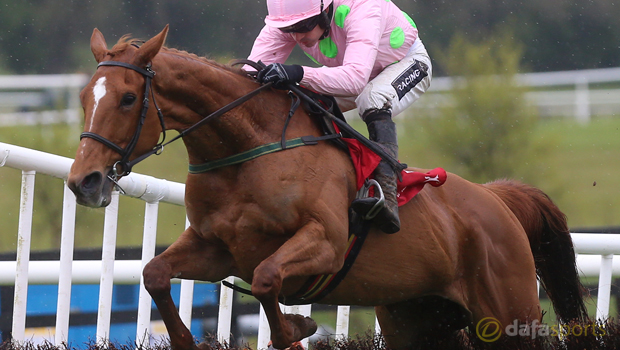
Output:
x=390 y=268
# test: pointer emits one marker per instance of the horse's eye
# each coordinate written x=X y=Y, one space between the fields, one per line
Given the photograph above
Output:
x=128 y=100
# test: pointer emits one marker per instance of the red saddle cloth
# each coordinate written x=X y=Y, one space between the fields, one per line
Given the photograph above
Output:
x=365 y=161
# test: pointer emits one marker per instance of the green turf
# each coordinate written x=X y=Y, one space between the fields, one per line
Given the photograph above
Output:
x=586 y=162
x=577 y=165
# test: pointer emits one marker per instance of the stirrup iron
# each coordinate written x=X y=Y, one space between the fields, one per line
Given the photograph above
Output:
x=363 y=193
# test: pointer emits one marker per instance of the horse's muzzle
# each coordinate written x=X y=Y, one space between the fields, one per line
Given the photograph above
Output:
x=93 y=190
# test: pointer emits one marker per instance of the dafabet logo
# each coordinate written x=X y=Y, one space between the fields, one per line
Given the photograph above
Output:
x=489 y=329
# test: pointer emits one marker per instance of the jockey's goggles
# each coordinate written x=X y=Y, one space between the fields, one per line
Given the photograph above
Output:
x=303 y=26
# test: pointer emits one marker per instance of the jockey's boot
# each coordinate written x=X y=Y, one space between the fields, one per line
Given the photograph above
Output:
x=382 y=130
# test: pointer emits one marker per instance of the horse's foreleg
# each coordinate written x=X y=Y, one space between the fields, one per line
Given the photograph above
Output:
x=308 y=252
x=190 y=257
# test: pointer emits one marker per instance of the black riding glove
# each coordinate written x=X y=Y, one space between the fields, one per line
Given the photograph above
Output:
x=280 y=74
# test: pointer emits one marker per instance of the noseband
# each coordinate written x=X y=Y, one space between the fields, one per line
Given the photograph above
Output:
x=123 y=166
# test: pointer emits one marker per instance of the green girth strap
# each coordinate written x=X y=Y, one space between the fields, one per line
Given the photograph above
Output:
x=257 y=152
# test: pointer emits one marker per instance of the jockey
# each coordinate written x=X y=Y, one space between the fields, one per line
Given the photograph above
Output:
x=372 y=58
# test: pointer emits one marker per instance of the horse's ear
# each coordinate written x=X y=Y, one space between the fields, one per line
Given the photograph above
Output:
x=150 y=48
x=98 y=45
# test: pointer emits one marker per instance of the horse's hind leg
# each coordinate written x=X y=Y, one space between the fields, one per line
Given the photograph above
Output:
x=190 y=257
x=307 y=253
x=430 y=322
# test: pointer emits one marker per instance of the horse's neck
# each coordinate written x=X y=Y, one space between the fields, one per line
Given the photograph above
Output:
x=192 y=89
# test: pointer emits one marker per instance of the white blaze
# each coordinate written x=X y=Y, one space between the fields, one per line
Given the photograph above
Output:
x=98 y=92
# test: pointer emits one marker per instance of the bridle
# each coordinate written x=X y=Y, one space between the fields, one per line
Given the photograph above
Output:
x=123 y=167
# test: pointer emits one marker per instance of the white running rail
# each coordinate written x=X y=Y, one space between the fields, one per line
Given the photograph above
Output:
x=596 y=256
x=560 y=93
x=41 y=96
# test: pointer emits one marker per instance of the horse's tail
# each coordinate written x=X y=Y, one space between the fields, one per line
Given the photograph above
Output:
x=551 y=244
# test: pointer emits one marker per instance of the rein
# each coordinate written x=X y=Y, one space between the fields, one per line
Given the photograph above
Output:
x=343 y=125
x=123 y=167
x=125 y=164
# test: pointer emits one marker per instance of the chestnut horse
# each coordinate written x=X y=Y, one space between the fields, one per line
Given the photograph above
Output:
x=465 y=251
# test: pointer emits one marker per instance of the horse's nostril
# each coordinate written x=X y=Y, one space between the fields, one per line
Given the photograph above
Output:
x=91 y=183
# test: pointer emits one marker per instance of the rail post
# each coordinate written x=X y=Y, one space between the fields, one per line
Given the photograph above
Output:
x=24 y=235
x=67 y=240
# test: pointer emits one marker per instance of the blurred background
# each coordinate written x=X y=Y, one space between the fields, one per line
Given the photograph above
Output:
x=522 y=89
x=45 y=36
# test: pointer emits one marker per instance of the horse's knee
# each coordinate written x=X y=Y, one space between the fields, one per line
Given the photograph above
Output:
x=156 y=277
x=267 y=280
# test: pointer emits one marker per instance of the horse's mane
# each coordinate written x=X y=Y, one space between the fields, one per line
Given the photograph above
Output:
x=123 y=43
x=126 y=41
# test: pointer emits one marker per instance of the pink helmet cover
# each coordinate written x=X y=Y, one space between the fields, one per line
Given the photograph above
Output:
x=283 y=13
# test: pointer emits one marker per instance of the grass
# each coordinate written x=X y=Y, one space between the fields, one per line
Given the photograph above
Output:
x=586 y=165
x=577 y=165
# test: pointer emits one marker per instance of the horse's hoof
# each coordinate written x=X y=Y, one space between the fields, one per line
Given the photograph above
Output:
x=303 y=326
x=211 y=344
x=295 y=346
x=300 y=326
x=204 y=346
